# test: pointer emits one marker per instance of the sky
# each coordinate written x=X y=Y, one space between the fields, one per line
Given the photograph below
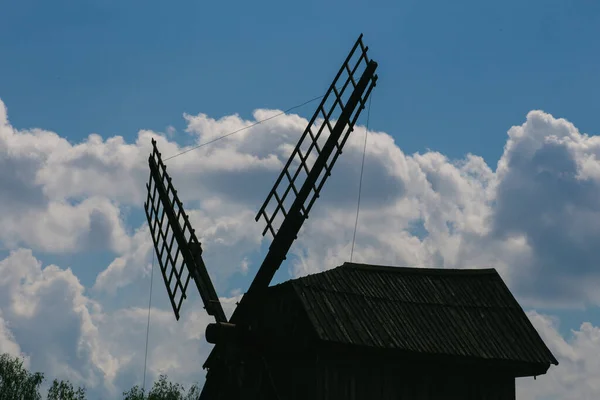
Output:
x=481 y=152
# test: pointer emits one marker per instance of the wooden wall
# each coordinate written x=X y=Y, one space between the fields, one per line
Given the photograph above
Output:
x=330 y=378
x=358 y=381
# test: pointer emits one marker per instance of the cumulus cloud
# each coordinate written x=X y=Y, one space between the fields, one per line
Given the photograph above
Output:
x=547 y=193
x=532 y=217
x=8 y=343
x=51 y=319
x=132 y=265
x=578 y=374
x=93 y=224
x=68 y=335
x=36 y=214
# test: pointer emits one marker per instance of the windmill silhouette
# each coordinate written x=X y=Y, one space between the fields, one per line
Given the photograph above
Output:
x=356 y=331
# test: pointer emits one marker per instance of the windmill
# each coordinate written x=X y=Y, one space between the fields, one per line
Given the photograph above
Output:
x=284 y=211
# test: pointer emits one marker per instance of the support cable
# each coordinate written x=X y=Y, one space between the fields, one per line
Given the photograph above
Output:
x=244 y=128
x=148 y=325
x=362 y=167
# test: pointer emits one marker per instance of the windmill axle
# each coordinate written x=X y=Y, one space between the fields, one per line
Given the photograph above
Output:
x=222 y=332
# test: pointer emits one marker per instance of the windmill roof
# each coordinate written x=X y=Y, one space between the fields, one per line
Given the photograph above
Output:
x=451 y=312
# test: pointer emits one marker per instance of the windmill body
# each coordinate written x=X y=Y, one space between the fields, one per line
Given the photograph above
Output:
x=378 y=332
x=357 y=331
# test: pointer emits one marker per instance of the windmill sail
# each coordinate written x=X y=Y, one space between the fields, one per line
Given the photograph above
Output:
x=177 y=248
x=320 y=145
x=310 y=164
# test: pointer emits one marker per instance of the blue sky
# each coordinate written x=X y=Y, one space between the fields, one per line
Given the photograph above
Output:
x=454 y=77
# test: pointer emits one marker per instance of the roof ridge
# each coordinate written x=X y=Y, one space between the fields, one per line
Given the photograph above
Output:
x=420 y=270
x=401 y=270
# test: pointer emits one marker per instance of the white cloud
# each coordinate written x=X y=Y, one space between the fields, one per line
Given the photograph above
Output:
x=132 y=265
x=35 y=213
x=93 y=224
x=51 y=319
x=66 y=334
x=7 y=339
x=534 y=218
x=578 y=375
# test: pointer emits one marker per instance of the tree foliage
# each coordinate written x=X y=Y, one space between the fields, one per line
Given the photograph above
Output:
x=163 y=389
x=63 y=390
x=17 y=383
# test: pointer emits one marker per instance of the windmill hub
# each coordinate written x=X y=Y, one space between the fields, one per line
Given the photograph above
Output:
x=223 y=332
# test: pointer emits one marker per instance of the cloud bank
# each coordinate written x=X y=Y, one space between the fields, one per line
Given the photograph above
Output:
x=534 y=217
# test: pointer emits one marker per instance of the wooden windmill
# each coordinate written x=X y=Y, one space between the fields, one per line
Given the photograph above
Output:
x=352 y=332
x=286 y=208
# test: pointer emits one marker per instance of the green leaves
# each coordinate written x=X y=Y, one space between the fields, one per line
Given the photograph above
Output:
x=163 y=389
x=135 y=393
x=16 y=383
x=63 y=390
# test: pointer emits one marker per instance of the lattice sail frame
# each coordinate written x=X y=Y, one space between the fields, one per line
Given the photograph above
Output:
x=303 y=157
x=177 y=248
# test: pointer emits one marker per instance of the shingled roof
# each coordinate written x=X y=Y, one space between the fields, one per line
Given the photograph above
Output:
x=460 y=313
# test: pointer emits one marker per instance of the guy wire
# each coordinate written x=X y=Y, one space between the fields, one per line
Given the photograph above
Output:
x=362 y=167
x=148 y=325
x=244 y=128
